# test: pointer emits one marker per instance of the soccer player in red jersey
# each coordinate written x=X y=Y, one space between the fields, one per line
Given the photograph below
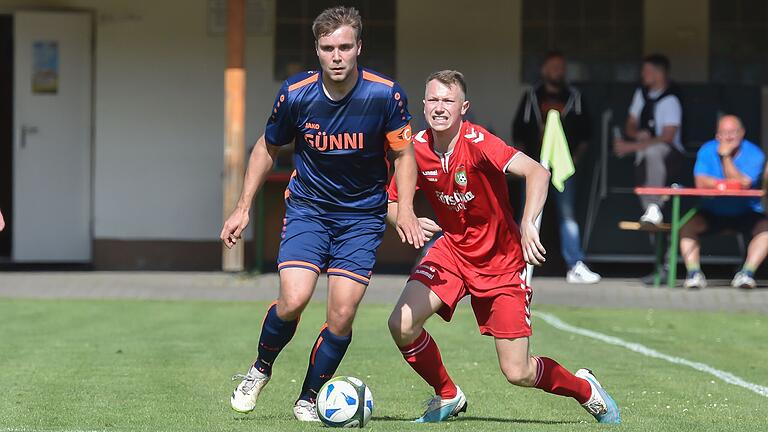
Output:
x=482 y=254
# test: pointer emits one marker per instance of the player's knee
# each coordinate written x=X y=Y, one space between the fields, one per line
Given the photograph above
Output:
x=340 y=319
x=518 y=375
x=403 y=331
x=289 y=308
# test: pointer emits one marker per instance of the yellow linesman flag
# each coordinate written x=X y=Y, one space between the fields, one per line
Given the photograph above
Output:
x=555 y=154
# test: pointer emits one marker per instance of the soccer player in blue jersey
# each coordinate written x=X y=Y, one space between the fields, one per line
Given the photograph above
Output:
x=345 y=121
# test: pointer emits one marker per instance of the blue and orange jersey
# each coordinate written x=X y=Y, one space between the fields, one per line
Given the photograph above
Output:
x=340 y=146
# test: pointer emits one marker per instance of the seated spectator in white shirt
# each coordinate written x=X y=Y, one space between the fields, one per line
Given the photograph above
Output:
x=653 y=132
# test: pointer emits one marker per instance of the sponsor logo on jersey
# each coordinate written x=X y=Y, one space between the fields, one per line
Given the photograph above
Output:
x=428 y=272
x=430 y=175
x=341 y=141
x=457 y=201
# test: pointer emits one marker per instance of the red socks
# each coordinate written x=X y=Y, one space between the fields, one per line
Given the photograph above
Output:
x=424 y=357
x=553 y=378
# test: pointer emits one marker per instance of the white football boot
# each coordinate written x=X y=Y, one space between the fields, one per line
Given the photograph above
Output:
x=244 y=397
x=601 y=405
x=305 y=411
x=439 y=409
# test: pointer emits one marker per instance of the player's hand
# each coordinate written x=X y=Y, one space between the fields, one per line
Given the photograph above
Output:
x=429 y=227
x=409 y=229
x=533 y=251
x=233 y=227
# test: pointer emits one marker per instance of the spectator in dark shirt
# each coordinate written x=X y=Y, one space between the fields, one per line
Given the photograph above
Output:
x=554 y=92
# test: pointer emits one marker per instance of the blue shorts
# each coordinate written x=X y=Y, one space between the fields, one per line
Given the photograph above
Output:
x=343 y=245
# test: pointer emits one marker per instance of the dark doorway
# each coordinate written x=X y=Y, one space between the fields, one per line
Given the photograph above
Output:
x=6 y=131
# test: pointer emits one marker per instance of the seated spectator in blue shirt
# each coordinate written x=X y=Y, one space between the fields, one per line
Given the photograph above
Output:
x=732 y=159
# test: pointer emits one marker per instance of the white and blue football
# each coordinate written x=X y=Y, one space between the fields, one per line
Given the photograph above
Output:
x=344 y=402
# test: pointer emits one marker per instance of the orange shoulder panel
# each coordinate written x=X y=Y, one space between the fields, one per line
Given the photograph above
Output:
x=302 y=83
x=375 y=78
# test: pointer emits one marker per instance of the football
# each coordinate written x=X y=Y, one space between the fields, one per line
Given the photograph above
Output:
x=344 y=402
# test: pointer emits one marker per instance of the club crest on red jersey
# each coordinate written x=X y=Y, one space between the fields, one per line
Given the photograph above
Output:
x=461 y=176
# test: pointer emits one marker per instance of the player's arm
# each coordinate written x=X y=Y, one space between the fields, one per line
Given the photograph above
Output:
x=260 y=163
x=407 y=224
x=536 y=187
x=428 y=227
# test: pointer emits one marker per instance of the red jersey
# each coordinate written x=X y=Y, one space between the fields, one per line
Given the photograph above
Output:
x=467 y=189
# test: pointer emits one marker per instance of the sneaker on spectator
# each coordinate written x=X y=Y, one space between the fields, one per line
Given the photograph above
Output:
x=581 y=274
x=744 y=280
x=650 y=278
x=695 y=280
x=652 y=216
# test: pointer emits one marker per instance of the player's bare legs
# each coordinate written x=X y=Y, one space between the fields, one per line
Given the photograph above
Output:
x=521 y=369
x=344 y=296
x=416 y=304
x=279 y=326
x=296 y=288
x=406 y=324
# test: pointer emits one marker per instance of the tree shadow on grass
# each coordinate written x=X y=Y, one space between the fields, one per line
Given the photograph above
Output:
x=483 y=419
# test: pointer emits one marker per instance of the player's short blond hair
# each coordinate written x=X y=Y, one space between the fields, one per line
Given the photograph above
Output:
x=449 y=77
x=332 y=18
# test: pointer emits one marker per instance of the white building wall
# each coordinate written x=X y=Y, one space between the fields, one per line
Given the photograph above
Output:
x=481 y=40
x=158 y=113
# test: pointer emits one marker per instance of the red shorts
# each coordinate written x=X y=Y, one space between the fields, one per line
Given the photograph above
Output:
x=501 y=302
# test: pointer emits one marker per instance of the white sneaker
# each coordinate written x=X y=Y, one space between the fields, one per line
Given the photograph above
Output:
x=743 y=280
x=695 y=281
x=305 y=411
x=652 y=215
x=244 y=397
x=581 y=274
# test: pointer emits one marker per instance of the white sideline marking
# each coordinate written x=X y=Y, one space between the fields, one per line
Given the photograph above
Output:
x=648 y=352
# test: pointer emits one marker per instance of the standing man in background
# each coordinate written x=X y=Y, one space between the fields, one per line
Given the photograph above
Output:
x=653 y=133
x=554 y=92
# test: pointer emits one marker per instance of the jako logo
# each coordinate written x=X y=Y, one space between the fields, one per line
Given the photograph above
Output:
x=315 y=126
x=343 y=141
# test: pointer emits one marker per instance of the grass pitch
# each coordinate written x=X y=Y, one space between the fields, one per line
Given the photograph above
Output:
x=165 y=366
